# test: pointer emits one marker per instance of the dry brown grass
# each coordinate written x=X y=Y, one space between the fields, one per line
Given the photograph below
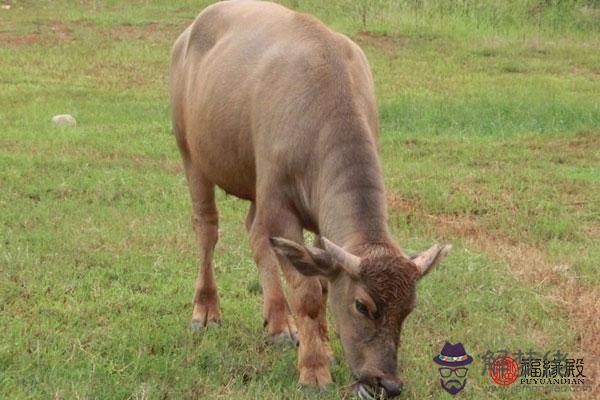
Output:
x=53 y=33
x=390 y=45
x=560 y=285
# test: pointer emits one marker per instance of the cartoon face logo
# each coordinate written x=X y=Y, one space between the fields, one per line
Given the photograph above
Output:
x=452 y=360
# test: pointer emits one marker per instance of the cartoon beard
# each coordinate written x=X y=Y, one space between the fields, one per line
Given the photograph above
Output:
x=453 y=386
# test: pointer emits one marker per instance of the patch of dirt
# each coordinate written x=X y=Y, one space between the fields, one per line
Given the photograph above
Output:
x=581 y=146
x=55 y=32
x=581 y=302
x=173 y=166
x=586 y=71
x=124 y=32
x=153 y=32
x=12 y=39
x=47 y=34
x=61 y=28
x=593 y=230
x=388 y=44
x=402 y=204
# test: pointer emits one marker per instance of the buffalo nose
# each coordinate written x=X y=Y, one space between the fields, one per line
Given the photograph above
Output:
x=392 y=388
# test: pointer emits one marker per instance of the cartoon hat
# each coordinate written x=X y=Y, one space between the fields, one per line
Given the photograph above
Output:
x=453 y=355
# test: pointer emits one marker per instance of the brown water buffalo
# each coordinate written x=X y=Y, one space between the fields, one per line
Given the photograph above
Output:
x=277 y=109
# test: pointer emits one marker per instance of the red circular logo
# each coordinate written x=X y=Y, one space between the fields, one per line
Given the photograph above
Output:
x=504 y=371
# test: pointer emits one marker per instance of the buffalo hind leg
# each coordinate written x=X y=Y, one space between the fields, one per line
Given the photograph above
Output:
x=205 y=220
x=278 y=320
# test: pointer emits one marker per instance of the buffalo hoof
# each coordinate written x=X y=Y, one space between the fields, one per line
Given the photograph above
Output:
x=316 y=377
x=312 y=391
x=199 y=325
x=283 y=338
x=206 y=314
x=284 y=333
x=332 y=360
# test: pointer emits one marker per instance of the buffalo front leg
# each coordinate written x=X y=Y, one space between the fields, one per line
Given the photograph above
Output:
x=277 y=317
x=323 y=320
x=205 y=220
x=323 y=311
x=305 y=293
x=307 y=300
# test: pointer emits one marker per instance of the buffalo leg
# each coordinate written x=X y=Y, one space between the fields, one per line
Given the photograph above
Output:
x=323 y=312
x=305 y=293
x=278 y=319
x=306 y=300
x=205 y=220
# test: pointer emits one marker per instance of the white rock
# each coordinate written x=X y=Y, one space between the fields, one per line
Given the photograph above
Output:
x=6 y=6
x=64 y=120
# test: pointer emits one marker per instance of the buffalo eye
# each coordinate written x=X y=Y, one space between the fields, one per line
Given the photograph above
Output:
x=362 y=308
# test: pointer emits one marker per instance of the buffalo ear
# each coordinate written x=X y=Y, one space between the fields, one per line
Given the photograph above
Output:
x=426 y=260
x=309 y=261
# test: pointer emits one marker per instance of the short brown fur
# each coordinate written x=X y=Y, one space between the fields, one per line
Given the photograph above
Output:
x=277 y=109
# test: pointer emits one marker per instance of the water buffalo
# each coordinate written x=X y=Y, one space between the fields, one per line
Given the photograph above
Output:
x=277 y=109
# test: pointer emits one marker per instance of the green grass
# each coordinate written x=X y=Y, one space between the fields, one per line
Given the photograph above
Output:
x=490 y=135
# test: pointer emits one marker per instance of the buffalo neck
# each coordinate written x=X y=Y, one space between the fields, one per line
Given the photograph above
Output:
x=351 y=202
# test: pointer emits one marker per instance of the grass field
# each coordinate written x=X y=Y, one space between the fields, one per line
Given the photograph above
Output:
x=490 y=141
